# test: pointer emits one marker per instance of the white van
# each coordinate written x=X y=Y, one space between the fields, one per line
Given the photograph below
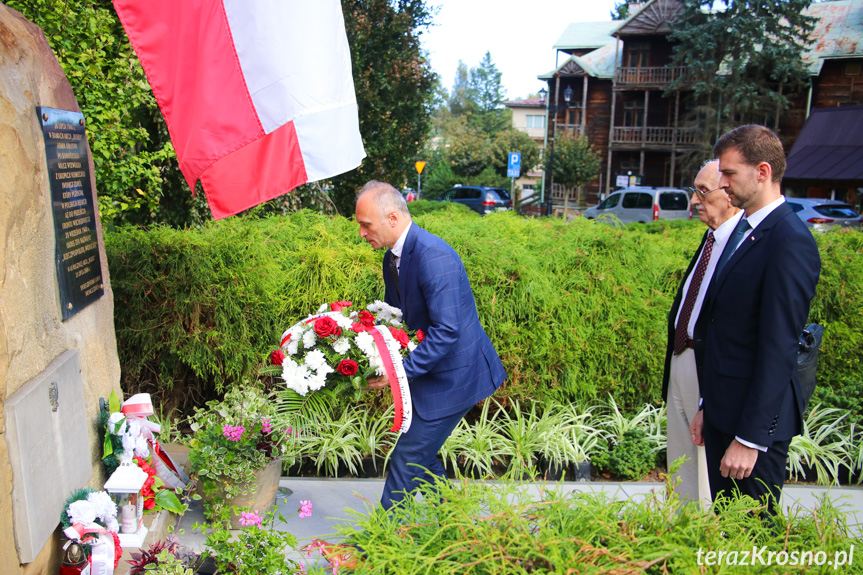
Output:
x=643 y=204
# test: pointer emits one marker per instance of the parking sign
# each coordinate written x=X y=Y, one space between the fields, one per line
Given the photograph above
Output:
x=513 y=167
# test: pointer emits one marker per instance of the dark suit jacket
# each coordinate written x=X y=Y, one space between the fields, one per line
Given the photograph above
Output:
x=746 y=336
x=456 y=364
x=672 y=315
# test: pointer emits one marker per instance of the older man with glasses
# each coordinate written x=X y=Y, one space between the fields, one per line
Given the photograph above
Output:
x=680 y=380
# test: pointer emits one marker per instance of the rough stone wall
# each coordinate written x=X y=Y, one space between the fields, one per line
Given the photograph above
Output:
x=31 y=331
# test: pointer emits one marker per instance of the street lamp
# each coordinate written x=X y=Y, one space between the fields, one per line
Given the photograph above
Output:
x=553 y=109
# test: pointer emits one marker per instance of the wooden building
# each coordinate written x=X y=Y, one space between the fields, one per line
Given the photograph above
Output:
x=618 y=72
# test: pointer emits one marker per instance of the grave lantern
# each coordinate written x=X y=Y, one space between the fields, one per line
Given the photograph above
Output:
x=124 y=486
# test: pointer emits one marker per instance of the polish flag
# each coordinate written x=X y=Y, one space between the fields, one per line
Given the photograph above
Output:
x=257 y=94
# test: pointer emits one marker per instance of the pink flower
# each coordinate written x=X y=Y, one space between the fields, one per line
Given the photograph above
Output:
x=233 y=433
x=305 y=509
x=302 y=569
x=247 y=519
x=266 y=426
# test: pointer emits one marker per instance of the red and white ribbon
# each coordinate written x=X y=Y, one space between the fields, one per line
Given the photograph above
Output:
x=398 y=380
x=138 y=408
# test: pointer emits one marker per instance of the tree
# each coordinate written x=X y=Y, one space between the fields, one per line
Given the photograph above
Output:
x=462 y=99
x=742 y=60
x=620 y=10
x=512 y=140
x=137 y=177
x=487 y=88
x=575 y=162
x=467 y=150
x=394 y=83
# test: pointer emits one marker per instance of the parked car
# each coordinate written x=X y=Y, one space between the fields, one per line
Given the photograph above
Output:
x=643 y=204
x=481 y=199
x=825 y=214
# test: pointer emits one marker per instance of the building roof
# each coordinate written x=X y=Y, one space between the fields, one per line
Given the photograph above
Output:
x=582 y=35
x=829 y=147
x=650 y=19
x=837 y=34
x=526 y=103
x=598 y=64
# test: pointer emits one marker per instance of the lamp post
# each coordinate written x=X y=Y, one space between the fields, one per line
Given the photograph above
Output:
x=553 y=109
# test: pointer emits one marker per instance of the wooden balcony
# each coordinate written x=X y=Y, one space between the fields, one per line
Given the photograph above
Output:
x=659 y=77
x=568 y=130
x=654 y=138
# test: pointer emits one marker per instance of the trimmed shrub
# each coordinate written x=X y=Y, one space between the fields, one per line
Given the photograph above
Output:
x=576 y=309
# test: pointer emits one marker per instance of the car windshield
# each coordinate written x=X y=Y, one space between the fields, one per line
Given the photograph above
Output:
x=504 y=195
x=836 y=211
x=673 y=201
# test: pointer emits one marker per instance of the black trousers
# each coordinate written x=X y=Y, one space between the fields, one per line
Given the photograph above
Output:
x=767 y=476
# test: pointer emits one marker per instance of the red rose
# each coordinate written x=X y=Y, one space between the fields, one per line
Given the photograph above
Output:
x=327 y=326
x=347 y=367
x=358 y=327
x=400 y=336
x=420 y=335
x=149 y=503
x=277 y=357
x=367 y=319
x=340 y=304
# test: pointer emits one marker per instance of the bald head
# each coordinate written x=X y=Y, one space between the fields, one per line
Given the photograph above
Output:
x=382 y=214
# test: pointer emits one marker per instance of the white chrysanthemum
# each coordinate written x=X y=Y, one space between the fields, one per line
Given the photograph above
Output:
x=293 y=346
x=343 y=321
x=309 y=339
x=103 y=505
x=315 y=359
x=115 y=418
x=396 y=323
x=81 y=512
x=112 y=525
x=366 y=343
x=295 y=376
x=142 y=448
x=411 y=346
x=342 y=345
x=317 y=381
x=375 y=306
x=324 y=308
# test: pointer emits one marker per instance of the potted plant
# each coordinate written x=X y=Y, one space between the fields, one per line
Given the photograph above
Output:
x=235 y=453
x=519 y=440
x=255 y=549
x=371 y=441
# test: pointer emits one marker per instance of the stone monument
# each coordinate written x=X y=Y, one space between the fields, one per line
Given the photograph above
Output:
x=58 y=351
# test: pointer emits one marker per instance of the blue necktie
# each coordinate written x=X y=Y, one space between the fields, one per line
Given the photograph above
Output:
x=731 y=246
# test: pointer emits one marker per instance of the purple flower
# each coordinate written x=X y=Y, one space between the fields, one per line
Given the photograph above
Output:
x=247 y=519
x=305 y=509
x=233 y=433
x=266 y=426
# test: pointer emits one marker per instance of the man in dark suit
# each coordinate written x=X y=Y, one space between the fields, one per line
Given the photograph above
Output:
x=680 y=380
x=746 y=337
x=456 y=365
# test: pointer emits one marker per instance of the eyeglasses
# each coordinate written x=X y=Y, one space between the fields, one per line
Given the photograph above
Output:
x=701 y=194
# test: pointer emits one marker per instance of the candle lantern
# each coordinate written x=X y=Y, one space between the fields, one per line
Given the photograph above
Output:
x=125 y=486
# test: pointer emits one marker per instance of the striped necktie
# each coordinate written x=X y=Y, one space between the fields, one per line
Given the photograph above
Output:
x=681 y=331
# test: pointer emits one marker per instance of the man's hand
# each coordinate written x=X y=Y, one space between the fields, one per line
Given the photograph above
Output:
x=696 y=428
x=738 y=461
x=378 y=382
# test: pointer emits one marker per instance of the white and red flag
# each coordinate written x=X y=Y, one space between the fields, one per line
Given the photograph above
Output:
x=257 y=94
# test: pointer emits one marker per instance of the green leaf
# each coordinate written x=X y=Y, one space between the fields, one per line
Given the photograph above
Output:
x=113 y=402
x=167 y=499
x=107 y=447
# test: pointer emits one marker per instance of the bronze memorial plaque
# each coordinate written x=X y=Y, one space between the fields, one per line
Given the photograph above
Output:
x=79 y=270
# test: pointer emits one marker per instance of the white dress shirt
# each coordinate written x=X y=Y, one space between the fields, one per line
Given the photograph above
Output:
x=399 y=246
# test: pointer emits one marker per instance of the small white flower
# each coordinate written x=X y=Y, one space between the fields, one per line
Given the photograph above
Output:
x=112 y=525
x=315 y=359
x=411 y=346
x=115 y=418
x=342 y=345
x=293 y=346
x=103 y=505
x=324 y=308
x=81 y=512
x=309 y=339
x=295 y=376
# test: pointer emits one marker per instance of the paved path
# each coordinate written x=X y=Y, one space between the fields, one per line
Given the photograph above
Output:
x=334 y=498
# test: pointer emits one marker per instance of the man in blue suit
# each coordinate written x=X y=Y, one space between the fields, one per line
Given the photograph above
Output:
x=746 y=336
x=456 y=365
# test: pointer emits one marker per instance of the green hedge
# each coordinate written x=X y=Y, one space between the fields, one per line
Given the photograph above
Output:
x=576 y=310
